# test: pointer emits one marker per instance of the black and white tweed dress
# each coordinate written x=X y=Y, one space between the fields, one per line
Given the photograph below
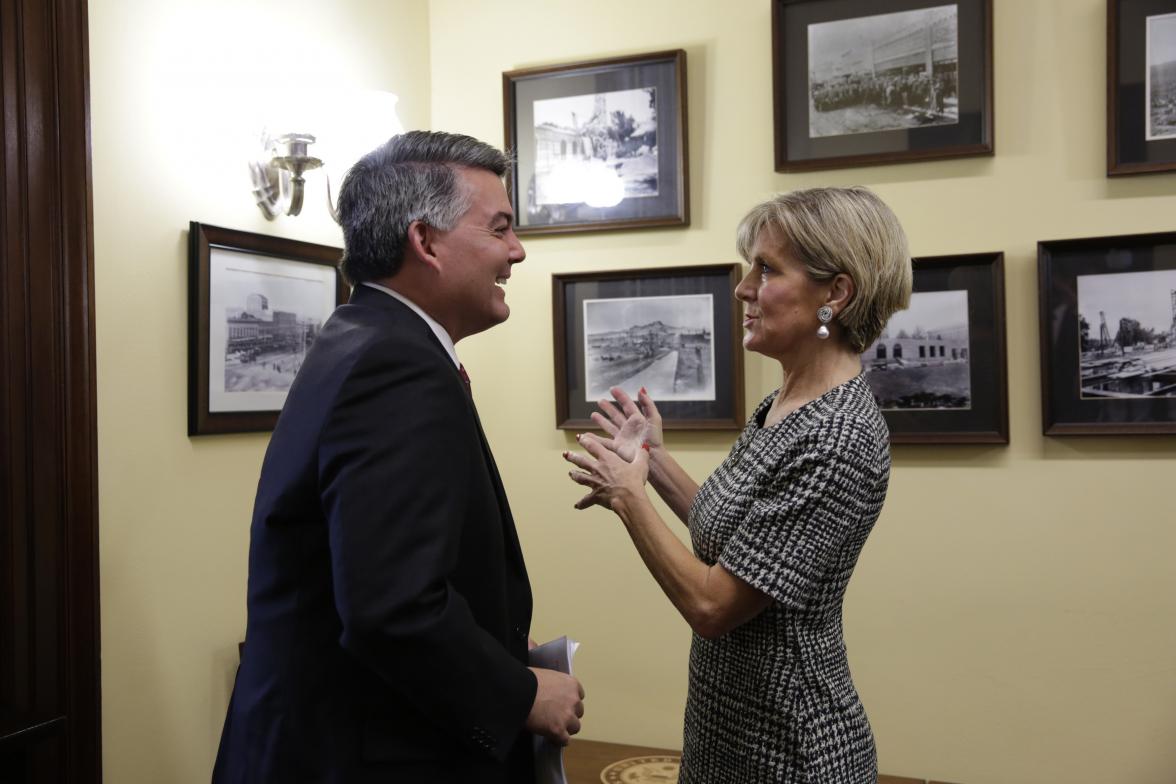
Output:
x=788 y=512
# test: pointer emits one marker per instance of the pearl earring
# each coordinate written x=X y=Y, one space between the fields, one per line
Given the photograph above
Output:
x=824 y=315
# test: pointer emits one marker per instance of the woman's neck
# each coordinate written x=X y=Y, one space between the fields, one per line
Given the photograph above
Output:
x=807 y=381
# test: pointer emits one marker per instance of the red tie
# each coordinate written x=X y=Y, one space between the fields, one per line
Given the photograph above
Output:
x=465 y=379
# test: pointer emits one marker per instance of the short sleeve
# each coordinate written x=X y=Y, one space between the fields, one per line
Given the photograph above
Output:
x=805 y=518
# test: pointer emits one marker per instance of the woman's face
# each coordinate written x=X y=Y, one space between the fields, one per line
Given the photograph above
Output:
x=780 y=301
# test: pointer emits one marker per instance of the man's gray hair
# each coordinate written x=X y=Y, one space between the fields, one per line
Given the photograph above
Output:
x=411 y=177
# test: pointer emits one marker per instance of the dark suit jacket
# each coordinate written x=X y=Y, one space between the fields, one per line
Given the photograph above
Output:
x=388 y=602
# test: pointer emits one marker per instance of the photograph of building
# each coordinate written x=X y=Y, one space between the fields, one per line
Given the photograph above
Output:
x=921 y=359
x=599 y=148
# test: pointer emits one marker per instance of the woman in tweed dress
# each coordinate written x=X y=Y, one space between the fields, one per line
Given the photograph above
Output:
x=777 y=528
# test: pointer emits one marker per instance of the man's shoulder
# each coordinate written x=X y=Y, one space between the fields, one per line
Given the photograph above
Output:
x=363 y=323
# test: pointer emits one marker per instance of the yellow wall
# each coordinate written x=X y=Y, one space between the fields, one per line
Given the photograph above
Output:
x=169 y=84
x=1011 y=618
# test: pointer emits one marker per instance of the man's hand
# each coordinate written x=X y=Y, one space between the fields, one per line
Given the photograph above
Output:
x=558 y=706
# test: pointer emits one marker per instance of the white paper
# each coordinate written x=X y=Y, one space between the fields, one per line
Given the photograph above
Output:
x=555 y=655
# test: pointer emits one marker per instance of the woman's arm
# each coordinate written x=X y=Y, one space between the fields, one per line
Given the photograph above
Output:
x=671 y=482
x=711 y=599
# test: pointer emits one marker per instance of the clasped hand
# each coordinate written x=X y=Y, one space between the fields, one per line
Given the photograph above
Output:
x=617 y=465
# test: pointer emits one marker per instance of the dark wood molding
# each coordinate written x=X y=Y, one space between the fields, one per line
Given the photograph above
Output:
x=49 y=661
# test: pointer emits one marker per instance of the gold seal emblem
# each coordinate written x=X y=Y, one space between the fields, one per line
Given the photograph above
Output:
x=642 y=770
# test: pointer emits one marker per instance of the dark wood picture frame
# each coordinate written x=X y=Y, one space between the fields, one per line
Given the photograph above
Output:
x=917 y=117
x=610 y=297
x=1133 y=145
x=1124 y=380
x=580 y=159
x=974 y=361
x=202 y=240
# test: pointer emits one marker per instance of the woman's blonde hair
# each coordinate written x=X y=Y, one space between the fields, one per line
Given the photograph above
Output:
x=841 y=230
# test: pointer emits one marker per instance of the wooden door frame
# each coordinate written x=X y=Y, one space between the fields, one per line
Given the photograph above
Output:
x=49 y=655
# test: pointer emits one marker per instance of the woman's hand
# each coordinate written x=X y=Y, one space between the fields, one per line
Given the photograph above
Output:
x=608 y=475
x=631 y=427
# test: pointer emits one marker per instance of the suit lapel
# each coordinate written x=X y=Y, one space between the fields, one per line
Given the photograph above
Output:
x=367 y=296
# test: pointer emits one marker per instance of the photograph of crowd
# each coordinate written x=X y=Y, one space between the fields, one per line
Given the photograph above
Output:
x=1127 y=330
x=884 y=72
x=665 y=344
x=921 y=360
x=596 y=149
x=1161 y=77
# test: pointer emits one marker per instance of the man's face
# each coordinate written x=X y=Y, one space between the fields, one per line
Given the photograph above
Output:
x=477 y=255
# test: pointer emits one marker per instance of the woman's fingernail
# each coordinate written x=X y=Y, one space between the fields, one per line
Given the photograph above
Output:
x=643 y=392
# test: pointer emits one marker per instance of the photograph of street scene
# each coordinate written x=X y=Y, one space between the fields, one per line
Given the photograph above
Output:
x=885 y=72
x=665 y=344
x=596 y=149
x=264 y=315
x=1127 y=331
x=264 y=347
x=1161 y=77
x=922 y=359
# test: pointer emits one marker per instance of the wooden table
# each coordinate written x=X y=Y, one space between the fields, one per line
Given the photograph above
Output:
x=585 y=759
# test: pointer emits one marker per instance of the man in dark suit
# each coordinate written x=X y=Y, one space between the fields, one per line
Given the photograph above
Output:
x=389 y=607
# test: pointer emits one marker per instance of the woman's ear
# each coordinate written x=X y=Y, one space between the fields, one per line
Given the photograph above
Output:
x=841 y=291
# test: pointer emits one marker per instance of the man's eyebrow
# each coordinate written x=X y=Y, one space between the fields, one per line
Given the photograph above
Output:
x=502 y=215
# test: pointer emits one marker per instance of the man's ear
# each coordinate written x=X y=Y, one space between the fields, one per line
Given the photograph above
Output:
x=841 y=291
x=419 y=244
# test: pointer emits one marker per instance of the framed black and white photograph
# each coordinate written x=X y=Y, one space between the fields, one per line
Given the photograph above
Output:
x=938 y=371
x=1141 y=86
x=862 y=82
x=1108 y=334
x=674 y=331
x=256 y=304
x=599 y=145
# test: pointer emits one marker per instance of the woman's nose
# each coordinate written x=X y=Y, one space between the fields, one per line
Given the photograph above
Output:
x=744 y=290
